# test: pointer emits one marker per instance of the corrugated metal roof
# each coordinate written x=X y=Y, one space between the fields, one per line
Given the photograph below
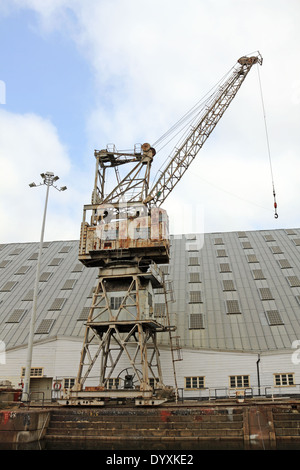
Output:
x=232 y=291
x=64 y=291
x=249 y=290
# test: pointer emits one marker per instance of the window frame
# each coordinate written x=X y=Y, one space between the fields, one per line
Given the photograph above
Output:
x=281 y=376
x=244 y=381
x=198 y=380
x=35 y=372
x=113 y=383
x=68 y=382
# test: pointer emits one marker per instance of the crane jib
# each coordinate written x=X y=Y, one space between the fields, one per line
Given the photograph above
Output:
x=199 y=133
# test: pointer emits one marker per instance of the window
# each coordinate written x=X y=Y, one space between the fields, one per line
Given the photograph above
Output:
x=274 y=318
x=221 y=254
x=69 y=382
x=159 y=309
x=16 y=316
x=269 y=238
x=284 y=380
x=194 y=261
x=296 y=241
x=246 y=245
x=16 y=251
x=195 y=297
x=193 y=383
x=45 y=276
x=34 y=372
x=44 y=327
x=265 y=293
x=34 y=256
x=228 y=285
x=69 y=284
x=239 y=381
x=276 y=250
x=4 y=263
x=29 y=295
x=225 y=268
x=77 y=268
x=84 y=314
x=153 y=381
x=55 y=262
x=8 y=286
x=293 y=281
x=284 y=263
x=65 y=249
x=194 y=277
x=218 y=241
x=22 y=270
x=196 y=321
x=115 y=303
x=113 y=383
x=258 y=274
x=252 y=259
x=232 y=307
x=242 y=235
x=57 y=304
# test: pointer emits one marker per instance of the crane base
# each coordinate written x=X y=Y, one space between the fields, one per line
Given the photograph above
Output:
x=102 y=397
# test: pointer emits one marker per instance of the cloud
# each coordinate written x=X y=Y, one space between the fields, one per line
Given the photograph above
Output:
x=29 y=145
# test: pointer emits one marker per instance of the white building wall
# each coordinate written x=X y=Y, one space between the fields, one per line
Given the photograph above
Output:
x=60 y=359
x=217 y=367
x=57 y=358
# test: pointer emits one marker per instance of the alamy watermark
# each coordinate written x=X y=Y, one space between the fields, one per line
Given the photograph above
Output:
x=124 y=221
x=2 y=352
x=2 y=92
x=296 y=354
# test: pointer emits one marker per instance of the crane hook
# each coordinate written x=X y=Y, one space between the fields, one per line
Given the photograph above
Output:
x=275 y=205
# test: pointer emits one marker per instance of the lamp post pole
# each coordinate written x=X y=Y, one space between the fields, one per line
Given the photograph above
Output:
x=48 y=178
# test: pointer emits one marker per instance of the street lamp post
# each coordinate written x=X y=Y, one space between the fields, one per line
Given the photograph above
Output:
x=48 y=180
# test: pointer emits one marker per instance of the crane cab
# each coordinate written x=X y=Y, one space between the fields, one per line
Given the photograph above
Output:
x=124 y=234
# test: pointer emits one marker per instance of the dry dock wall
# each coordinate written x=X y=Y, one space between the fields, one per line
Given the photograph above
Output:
x=18 y=426
x=252 y=425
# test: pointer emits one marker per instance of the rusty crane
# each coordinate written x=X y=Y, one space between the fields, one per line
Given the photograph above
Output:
x=125 y=234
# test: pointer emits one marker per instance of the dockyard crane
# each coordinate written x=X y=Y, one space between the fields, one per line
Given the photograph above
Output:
x=126 y=237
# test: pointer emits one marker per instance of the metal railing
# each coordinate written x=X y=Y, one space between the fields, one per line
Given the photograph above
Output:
x=219 y=393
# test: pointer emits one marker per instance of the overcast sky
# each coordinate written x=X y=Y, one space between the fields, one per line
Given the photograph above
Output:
x=76 y=75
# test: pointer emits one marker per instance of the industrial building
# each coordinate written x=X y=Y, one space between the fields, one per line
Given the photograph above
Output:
x=128 y=312
x=234 y=298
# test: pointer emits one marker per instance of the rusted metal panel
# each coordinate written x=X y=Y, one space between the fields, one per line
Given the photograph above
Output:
x=146 y=236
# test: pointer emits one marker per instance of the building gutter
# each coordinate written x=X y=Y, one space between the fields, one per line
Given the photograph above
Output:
x=258 y=375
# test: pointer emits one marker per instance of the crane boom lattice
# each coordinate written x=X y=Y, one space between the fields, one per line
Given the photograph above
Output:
x=185 y=154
